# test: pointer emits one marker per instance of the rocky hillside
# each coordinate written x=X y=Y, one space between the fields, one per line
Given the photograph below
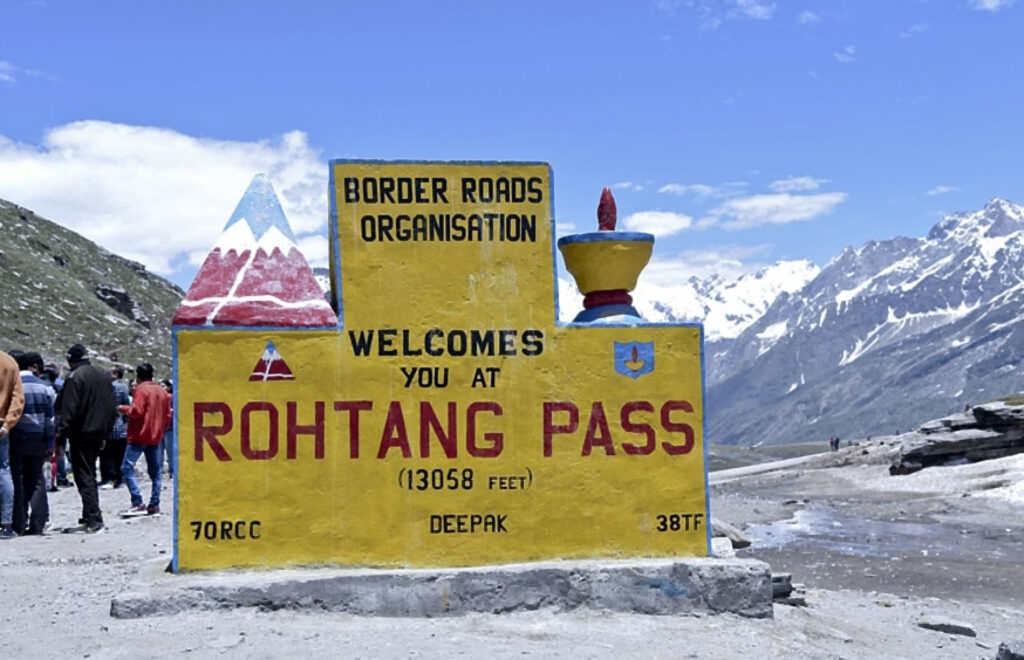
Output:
x=59 y=288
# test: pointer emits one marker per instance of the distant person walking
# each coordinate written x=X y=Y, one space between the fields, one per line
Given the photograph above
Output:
x=53 y=374
x=86 y=415
x=167 y=448
x=113 y=451
x=12 y=402
x=32 y=444
x=147 y=417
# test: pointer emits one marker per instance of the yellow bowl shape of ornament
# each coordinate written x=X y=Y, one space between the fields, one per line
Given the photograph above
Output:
x=606 y=260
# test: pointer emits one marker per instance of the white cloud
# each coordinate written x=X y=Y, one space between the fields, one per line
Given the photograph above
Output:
x=628 y=185
x=668 y=7
x=990 y=5
x=808 y=18
x=158 y=196
x=846 y=55
x=941 y=190
x=564 y=228
x=783 y=208
x=796 y=184
x=712 y=13
x=755 y=9
x=7 y=71
x=726 y=261
x=702 y=190
x=698 y=189
x=913 y=30
x=659 y=223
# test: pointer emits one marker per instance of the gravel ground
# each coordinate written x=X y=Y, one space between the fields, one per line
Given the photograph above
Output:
x=876 y=556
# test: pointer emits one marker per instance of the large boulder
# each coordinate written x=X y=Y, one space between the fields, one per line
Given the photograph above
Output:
x=987 y=431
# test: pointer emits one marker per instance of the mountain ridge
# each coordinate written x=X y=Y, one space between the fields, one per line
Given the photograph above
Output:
x=60 y=288
x=932 y=320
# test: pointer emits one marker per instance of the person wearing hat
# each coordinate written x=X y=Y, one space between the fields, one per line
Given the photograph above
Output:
x=86 y=415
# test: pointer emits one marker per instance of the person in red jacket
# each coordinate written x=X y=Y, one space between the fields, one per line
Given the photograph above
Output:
x=147 y=416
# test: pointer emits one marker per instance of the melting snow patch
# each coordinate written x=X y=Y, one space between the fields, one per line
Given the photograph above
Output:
x=774 y=331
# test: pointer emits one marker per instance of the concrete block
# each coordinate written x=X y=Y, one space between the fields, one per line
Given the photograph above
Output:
x=647 y=586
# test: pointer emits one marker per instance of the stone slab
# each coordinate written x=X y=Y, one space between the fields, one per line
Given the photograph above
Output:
x=691 y=586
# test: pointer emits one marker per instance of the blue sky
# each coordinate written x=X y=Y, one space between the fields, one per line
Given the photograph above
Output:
x=741 y=132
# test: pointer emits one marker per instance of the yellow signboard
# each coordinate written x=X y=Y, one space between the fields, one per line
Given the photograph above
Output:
x=449 y=420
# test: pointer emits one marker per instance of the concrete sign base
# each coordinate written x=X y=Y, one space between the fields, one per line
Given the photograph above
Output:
x=644 y=586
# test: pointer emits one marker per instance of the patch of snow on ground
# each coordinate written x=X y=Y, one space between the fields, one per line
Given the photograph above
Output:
x=998 y=478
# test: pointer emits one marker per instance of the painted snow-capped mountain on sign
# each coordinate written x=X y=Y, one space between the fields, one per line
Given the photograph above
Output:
x=255 y=275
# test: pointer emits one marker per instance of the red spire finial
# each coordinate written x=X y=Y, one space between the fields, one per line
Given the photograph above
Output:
x=606 y=212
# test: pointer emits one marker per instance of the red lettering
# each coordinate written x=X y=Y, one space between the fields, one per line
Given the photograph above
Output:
x=678 y=427
x=394 y=434
x=209 y=434
x=550 y=428
x=496 y=439
x=247 y=412
x=448 y=438
x=641 y=428
x=353 y=407
x=598 y=423
x=316 y=429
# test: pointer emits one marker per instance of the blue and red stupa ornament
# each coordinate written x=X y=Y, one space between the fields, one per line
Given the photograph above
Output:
x=606 y=265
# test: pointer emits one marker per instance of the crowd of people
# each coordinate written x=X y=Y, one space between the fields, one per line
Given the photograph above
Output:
x=82 y=415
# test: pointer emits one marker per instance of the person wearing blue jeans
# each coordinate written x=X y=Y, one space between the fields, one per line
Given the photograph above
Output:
x=131 y=457
x=12 y=403
x=147 y=416
x=6 y=490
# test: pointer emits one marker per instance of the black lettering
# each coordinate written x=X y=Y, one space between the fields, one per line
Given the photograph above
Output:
x=468 y=523
x=468 y=190
x=508 y=342
x=384 y=225
x=439 y=188
x=481 y=343
x=361 y=343
x=368 y=228
x=533 y=342
x=457 y=343
x=351 y=188
x=386 y=341
x=428 y=342
x=536 y=190
x=387 y=187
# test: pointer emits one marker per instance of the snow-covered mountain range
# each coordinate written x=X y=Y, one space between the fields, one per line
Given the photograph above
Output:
x=726 y=307
x=886 y=335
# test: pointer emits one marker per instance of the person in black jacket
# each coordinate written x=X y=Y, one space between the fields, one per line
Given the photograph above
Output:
x=86 y=416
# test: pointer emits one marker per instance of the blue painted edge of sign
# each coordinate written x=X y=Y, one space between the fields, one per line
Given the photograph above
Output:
x=606 y=236
x=177 y=448
x=334 y=267
x=554 y=248
x=704 y=439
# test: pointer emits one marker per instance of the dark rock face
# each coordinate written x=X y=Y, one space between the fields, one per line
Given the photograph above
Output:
x=1011 y=650
x=945 y=625
x=934 y=321
x=988 y=431
x=121 y=302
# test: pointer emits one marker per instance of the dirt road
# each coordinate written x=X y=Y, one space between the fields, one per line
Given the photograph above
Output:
x=867 y=590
